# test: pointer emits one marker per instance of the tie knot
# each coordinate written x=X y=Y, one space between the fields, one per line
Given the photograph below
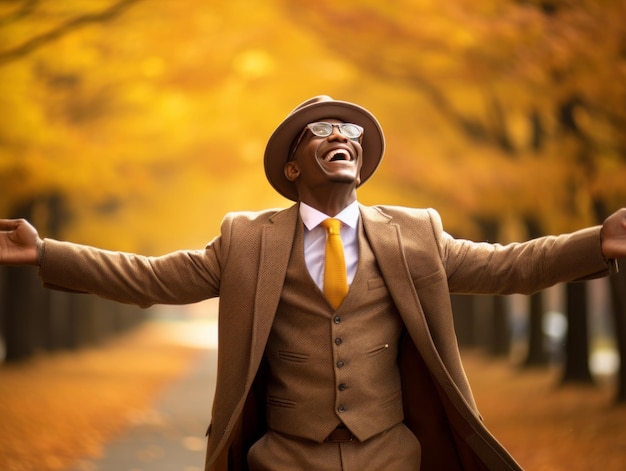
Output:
x=331 y=225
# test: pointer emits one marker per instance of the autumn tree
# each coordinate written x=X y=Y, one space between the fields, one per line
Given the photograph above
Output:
x=30 y=322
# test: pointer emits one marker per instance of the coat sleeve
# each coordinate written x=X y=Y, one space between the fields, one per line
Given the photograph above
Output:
x=180 y=277
x=528 y=267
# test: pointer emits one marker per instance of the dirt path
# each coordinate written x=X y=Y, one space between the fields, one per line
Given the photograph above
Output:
x=57 y=408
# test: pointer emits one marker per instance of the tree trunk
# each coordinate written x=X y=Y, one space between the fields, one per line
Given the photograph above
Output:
x=576 y=368
x=21 y=314
x=536 y=354
x=618 y=296
x=501 y=340
x=464 y=319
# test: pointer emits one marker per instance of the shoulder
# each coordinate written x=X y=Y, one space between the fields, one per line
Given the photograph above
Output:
x=418 y=224
x=242 y=223
x=253 y=218
x=404 y=215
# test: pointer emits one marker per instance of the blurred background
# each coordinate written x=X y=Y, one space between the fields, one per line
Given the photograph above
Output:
x=137 y=124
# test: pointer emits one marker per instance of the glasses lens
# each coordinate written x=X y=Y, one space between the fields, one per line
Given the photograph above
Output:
x=351 y=131
x=321 y=129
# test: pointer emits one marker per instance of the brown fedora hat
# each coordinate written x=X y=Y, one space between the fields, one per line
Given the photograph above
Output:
x=314 y=109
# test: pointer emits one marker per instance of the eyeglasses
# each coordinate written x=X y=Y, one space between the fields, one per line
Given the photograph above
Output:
x=324 y=129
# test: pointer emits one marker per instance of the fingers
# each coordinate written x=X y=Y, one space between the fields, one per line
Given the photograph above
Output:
x=614 y=235
x=10 y=224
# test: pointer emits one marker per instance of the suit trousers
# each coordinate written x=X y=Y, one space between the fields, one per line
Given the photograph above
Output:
x=396 y=449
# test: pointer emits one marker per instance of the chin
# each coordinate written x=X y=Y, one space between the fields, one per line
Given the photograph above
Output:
x=344 y=179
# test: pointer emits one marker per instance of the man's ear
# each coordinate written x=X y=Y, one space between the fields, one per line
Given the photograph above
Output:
x=292 y=171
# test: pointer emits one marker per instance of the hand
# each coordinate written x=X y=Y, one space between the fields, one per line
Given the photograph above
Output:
x=19 y=242
x=614 y=235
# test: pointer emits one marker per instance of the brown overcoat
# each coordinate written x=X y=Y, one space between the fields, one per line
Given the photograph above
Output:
x=245 y=266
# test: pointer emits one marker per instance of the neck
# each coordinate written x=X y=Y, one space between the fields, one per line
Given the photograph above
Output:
x=328 y=205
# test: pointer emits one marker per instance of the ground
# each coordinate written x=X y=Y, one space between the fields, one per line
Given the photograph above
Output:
x=545 y=426
x=57 y=408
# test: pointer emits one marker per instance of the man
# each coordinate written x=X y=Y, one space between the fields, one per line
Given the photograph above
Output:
x=361 y=375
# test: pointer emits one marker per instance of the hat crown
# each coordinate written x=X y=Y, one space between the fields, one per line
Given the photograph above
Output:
x=311 y=101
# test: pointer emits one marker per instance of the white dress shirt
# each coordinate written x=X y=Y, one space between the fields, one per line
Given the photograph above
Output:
x=315 y=240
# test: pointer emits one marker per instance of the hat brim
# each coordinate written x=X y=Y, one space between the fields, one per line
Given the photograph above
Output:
x=278 y=146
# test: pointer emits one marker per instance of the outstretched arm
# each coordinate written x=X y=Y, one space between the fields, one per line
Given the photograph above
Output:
x=19 y=242
x=614 y=235
x=180 y=277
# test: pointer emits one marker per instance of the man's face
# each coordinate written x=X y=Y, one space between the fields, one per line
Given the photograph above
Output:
x=320 y=161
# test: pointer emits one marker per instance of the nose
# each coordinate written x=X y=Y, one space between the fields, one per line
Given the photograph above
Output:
x=336 y=134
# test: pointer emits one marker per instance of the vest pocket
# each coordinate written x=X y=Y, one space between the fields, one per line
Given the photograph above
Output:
x=378 y=349
x=280 y=402
x=293 y=356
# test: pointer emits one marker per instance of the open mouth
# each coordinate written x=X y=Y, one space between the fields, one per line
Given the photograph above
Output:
x=338 y=155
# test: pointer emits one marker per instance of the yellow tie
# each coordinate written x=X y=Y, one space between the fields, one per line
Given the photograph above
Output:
x=335 y=279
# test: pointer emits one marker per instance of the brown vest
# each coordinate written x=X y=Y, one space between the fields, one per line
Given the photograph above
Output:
x=327 y=366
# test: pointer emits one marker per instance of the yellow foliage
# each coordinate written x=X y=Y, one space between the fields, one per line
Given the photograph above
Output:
x=152 y=124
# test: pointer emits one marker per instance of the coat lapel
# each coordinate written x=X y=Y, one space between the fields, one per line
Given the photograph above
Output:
x=276 y=244
x=385 y=239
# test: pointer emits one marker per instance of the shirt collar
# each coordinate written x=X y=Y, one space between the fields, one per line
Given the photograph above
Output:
x=312 y=217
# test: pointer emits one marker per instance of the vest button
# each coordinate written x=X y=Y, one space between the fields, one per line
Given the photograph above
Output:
x=341 y=409
x=338 y=341
x=340 y=364
x=337 y=320
x=342 y=387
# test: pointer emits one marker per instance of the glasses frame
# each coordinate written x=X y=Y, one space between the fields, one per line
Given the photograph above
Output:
x=339 y=126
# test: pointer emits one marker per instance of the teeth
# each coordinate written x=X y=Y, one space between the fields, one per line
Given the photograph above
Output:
x=337 y=153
